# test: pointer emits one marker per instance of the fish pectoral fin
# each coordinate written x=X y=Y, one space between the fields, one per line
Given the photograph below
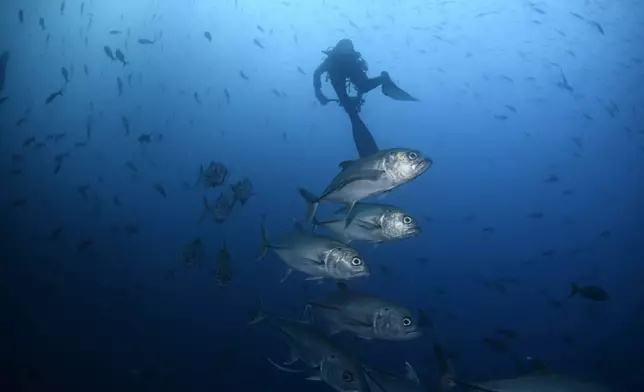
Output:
x=365 y=175
x=288 y=273
x=314 y=278
x=367 y=225
x=315 y=377
x=345 y=164
x=283 y=368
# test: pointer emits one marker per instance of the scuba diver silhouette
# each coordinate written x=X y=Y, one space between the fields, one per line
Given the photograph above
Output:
x=345 y=67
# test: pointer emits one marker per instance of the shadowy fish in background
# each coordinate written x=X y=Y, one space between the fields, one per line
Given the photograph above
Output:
x=121 y=57
x=208 y=36
x=365 y=315
x=213 y=175
x=315 y=255
x=21 y=16
x=593 y=293
x=108 y=52
x=41 y=23
x=242 y=191
x=223 y=270
x=145 y=41
x=193 y=253
x=220 y=210
x=372 y=222
x=53 y=96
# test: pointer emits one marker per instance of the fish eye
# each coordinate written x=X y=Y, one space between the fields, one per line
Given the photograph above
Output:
x=407 y=220
x=406 y=321
x=412 y=156
x=356 y=261
x=347 y=376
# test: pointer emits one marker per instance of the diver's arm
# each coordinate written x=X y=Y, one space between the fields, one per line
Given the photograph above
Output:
x=317 y=83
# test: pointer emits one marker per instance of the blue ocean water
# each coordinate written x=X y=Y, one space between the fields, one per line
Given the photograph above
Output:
x=530 y=111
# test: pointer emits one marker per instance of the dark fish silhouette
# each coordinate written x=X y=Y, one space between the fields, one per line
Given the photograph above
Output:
x=208 y=36
x=258 y=44
x=53 y=96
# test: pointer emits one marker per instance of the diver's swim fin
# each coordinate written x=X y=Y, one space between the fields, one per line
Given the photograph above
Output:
x=390 y=89
x=365 y=143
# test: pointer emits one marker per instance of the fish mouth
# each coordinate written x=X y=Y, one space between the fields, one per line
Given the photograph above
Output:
x=422 y=166
x=412 y=334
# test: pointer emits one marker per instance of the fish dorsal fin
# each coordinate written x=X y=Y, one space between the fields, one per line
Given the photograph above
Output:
x=342 y=285
x=410 y=374
x=345 y=164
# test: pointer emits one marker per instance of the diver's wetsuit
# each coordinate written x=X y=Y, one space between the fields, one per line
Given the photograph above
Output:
x=341 y=68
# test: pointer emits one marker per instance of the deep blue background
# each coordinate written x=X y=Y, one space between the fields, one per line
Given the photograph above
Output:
x=126 y=315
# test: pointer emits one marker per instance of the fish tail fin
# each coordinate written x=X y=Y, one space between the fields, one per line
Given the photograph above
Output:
x=261 y=315
x=206 y=209
x=312 y=202
x=351 y=214
x=574 y=289
x=265 y=243
x=446 y=370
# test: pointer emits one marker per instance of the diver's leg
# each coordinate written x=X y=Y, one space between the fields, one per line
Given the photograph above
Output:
x=365 y=143
x=364 y=84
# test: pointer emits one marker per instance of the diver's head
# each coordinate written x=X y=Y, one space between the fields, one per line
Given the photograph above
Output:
x=344 y=46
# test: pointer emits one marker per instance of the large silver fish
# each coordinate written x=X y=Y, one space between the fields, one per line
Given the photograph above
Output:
x=315 y=255
x=326 y=360
x=365 y=315
x=373 y=222
x=373 y=175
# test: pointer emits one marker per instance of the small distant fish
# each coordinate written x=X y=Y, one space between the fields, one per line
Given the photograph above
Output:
x=223 y=271
x=108 y=52
x=552 y=179
x=300 y=70
x=577 y=141
x=131 y=166
x=500 y=117
x=260 y=28
x=121 y=57
x=53 y=96
x=55 y=233
x=258 y=44
x=126 y=125
x=593 y=293
x=86 y=69
x=511 y=108
x=242 y=191
x=115 y=32
x=145 y=41
x=65 y=74
x=3 y=99
x=119 y=85
x=62 y=8
x=116 y=201
x=536 y=215
x=208 y=36
x=83 y=245
x=195 y=95
x=41 y=23
x=82 y=8
x=243 y=75
x=21 y=16
x=597 y=26
x=227 y=96
x=213 y=175
x=193 y=253
x=159 y=188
